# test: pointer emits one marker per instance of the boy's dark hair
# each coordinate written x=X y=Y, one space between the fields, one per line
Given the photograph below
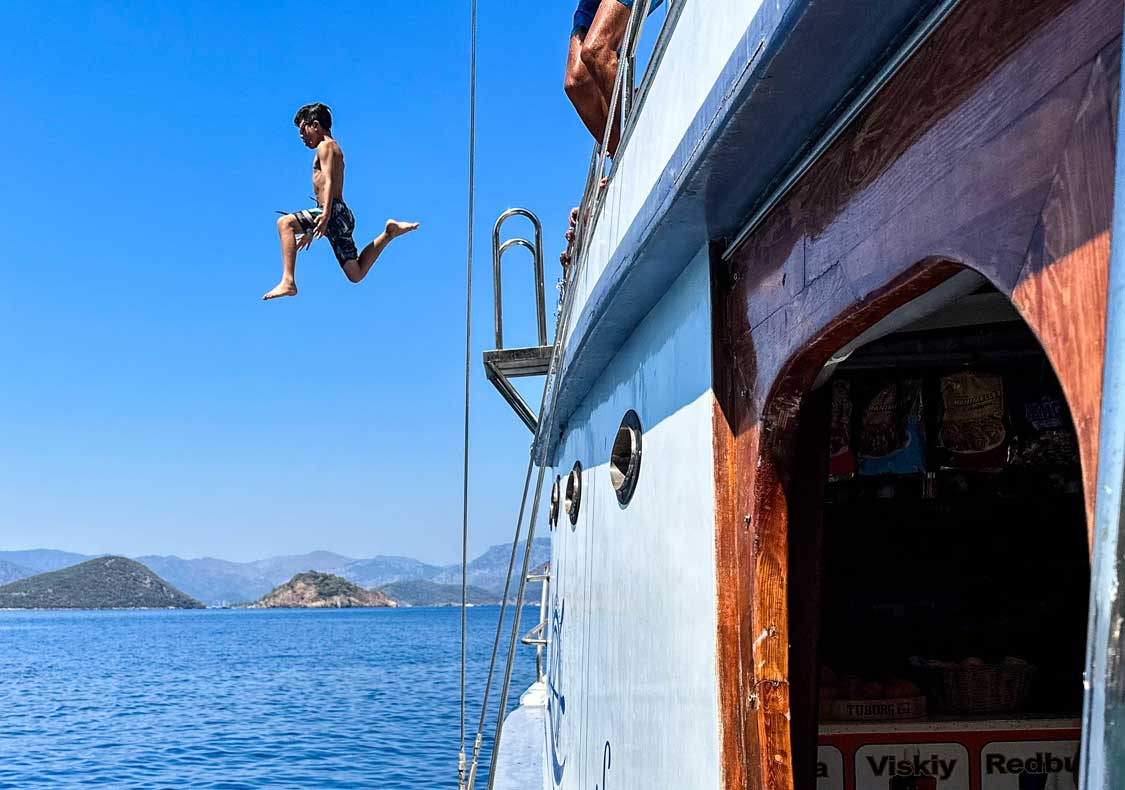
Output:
x=314 y=112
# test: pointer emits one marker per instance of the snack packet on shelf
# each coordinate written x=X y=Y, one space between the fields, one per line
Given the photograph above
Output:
x=973 y=434
x=1042 y=433
x=892 y=435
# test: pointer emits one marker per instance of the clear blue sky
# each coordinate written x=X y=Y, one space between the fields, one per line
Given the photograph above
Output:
x=149 y=402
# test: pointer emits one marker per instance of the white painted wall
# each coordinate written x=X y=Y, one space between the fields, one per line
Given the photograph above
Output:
x=634 y=655
x=702 y=42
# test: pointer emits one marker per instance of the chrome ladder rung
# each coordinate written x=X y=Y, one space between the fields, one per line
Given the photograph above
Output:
x=531 y=637
x=502 y=364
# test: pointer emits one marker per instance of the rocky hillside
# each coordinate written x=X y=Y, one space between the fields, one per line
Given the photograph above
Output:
x=313 y=590
x=380 y=570
x=43 y=560
x=101 y=583
x=489 y=569
x=10 y=572
x=213 y=581
x=281 y=568
x=423 y=593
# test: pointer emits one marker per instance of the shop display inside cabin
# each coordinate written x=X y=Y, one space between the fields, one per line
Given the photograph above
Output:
x=955 y=571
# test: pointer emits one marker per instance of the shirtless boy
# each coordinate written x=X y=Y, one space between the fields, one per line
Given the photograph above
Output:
x=331 y=217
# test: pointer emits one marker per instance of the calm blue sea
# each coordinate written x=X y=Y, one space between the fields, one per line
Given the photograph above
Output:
x=296 y=699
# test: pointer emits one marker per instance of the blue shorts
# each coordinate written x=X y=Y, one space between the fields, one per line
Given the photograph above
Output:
x=341 y=226
x=587 y=9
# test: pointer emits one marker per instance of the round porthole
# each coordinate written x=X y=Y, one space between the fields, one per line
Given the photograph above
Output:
x=573 y=493
x=625 y=457
x=553 y=517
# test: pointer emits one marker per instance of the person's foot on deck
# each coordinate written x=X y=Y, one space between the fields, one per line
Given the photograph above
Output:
x=283 y=289
x=395 y=228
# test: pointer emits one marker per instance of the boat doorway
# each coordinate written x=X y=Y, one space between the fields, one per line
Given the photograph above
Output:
x=939 y=578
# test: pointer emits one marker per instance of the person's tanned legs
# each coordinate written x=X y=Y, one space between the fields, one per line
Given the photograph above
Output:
x=287 y=229
x=357 y=269
x=599 y=56
x=581 y=89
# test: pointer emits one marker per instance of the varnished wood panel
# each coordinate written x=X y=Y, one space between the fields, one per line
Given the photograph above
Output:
x=736 y=437
x=993 y=150
x=1063 y=284
x=805 y=531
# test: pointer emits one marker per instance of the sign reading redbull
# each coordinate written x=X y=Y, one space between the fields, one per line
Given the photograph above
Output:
x=1029 y=765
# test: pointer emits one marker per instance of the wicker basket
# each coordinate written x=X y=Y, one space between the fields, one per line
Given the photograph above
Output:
x=985 y=689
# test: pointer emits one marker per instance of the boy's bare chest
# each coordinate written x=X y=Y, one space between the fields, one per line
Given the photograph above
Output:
x=318 y=173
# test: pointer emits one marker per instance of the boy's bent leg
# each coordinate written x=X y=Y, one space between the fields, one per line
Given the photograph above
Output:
x=287 y=229
x=357 y=269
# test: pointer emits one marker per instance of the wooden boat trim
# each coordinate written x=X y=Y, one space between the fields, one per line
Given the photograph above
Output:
x=991 y=150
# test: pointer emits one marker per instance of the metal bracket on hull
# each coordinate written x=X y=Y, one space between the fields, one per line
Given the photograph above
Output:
x=504 y=364
x=501 y=365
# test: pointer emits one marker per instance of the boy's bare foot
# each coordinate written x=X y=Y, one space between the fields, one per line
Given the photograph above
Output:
x=283 y=289
x=395 y=228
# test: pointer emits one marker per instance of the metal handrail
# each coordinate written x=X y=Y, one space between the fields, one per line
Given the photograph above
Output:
x=542 y=573
x=623 y=95
x=591 y=198
x=530 y=637
x=536 y=250
x=535 y=636
x=550 y=391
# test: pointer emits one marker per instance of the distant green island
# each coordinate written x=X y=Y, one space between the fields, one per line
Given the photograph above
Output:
x=314 y=590
x=101 y=583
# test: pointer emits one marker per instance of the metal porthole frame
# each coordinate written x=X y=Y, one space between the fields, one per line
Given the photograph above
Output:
x=553 y=513
x=625 y=458
x=573 y=502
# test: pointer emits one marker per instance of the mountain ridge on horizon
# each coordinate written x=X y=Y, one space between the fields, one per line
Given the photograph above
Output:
x=216 y=581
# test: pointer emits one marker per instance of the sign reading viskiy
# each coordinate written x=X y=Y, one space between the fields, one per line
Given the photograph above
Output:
x=912 y=766
x=1029 y=765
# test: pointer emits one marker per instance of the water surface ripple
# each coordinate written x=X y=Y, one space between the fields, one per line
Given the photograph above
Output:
x=234 y=699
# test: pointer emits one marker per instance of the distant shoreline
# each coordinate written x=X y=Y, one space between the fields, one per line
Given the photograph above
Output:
x=264 y=608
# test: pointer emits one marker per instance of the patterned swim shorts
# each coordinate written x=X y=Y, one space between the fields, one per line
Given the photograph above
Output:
x=341 y=225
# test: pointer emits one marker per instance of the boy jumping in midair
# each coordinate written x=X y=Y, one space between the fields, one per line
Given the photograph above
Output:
x=331 y=217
